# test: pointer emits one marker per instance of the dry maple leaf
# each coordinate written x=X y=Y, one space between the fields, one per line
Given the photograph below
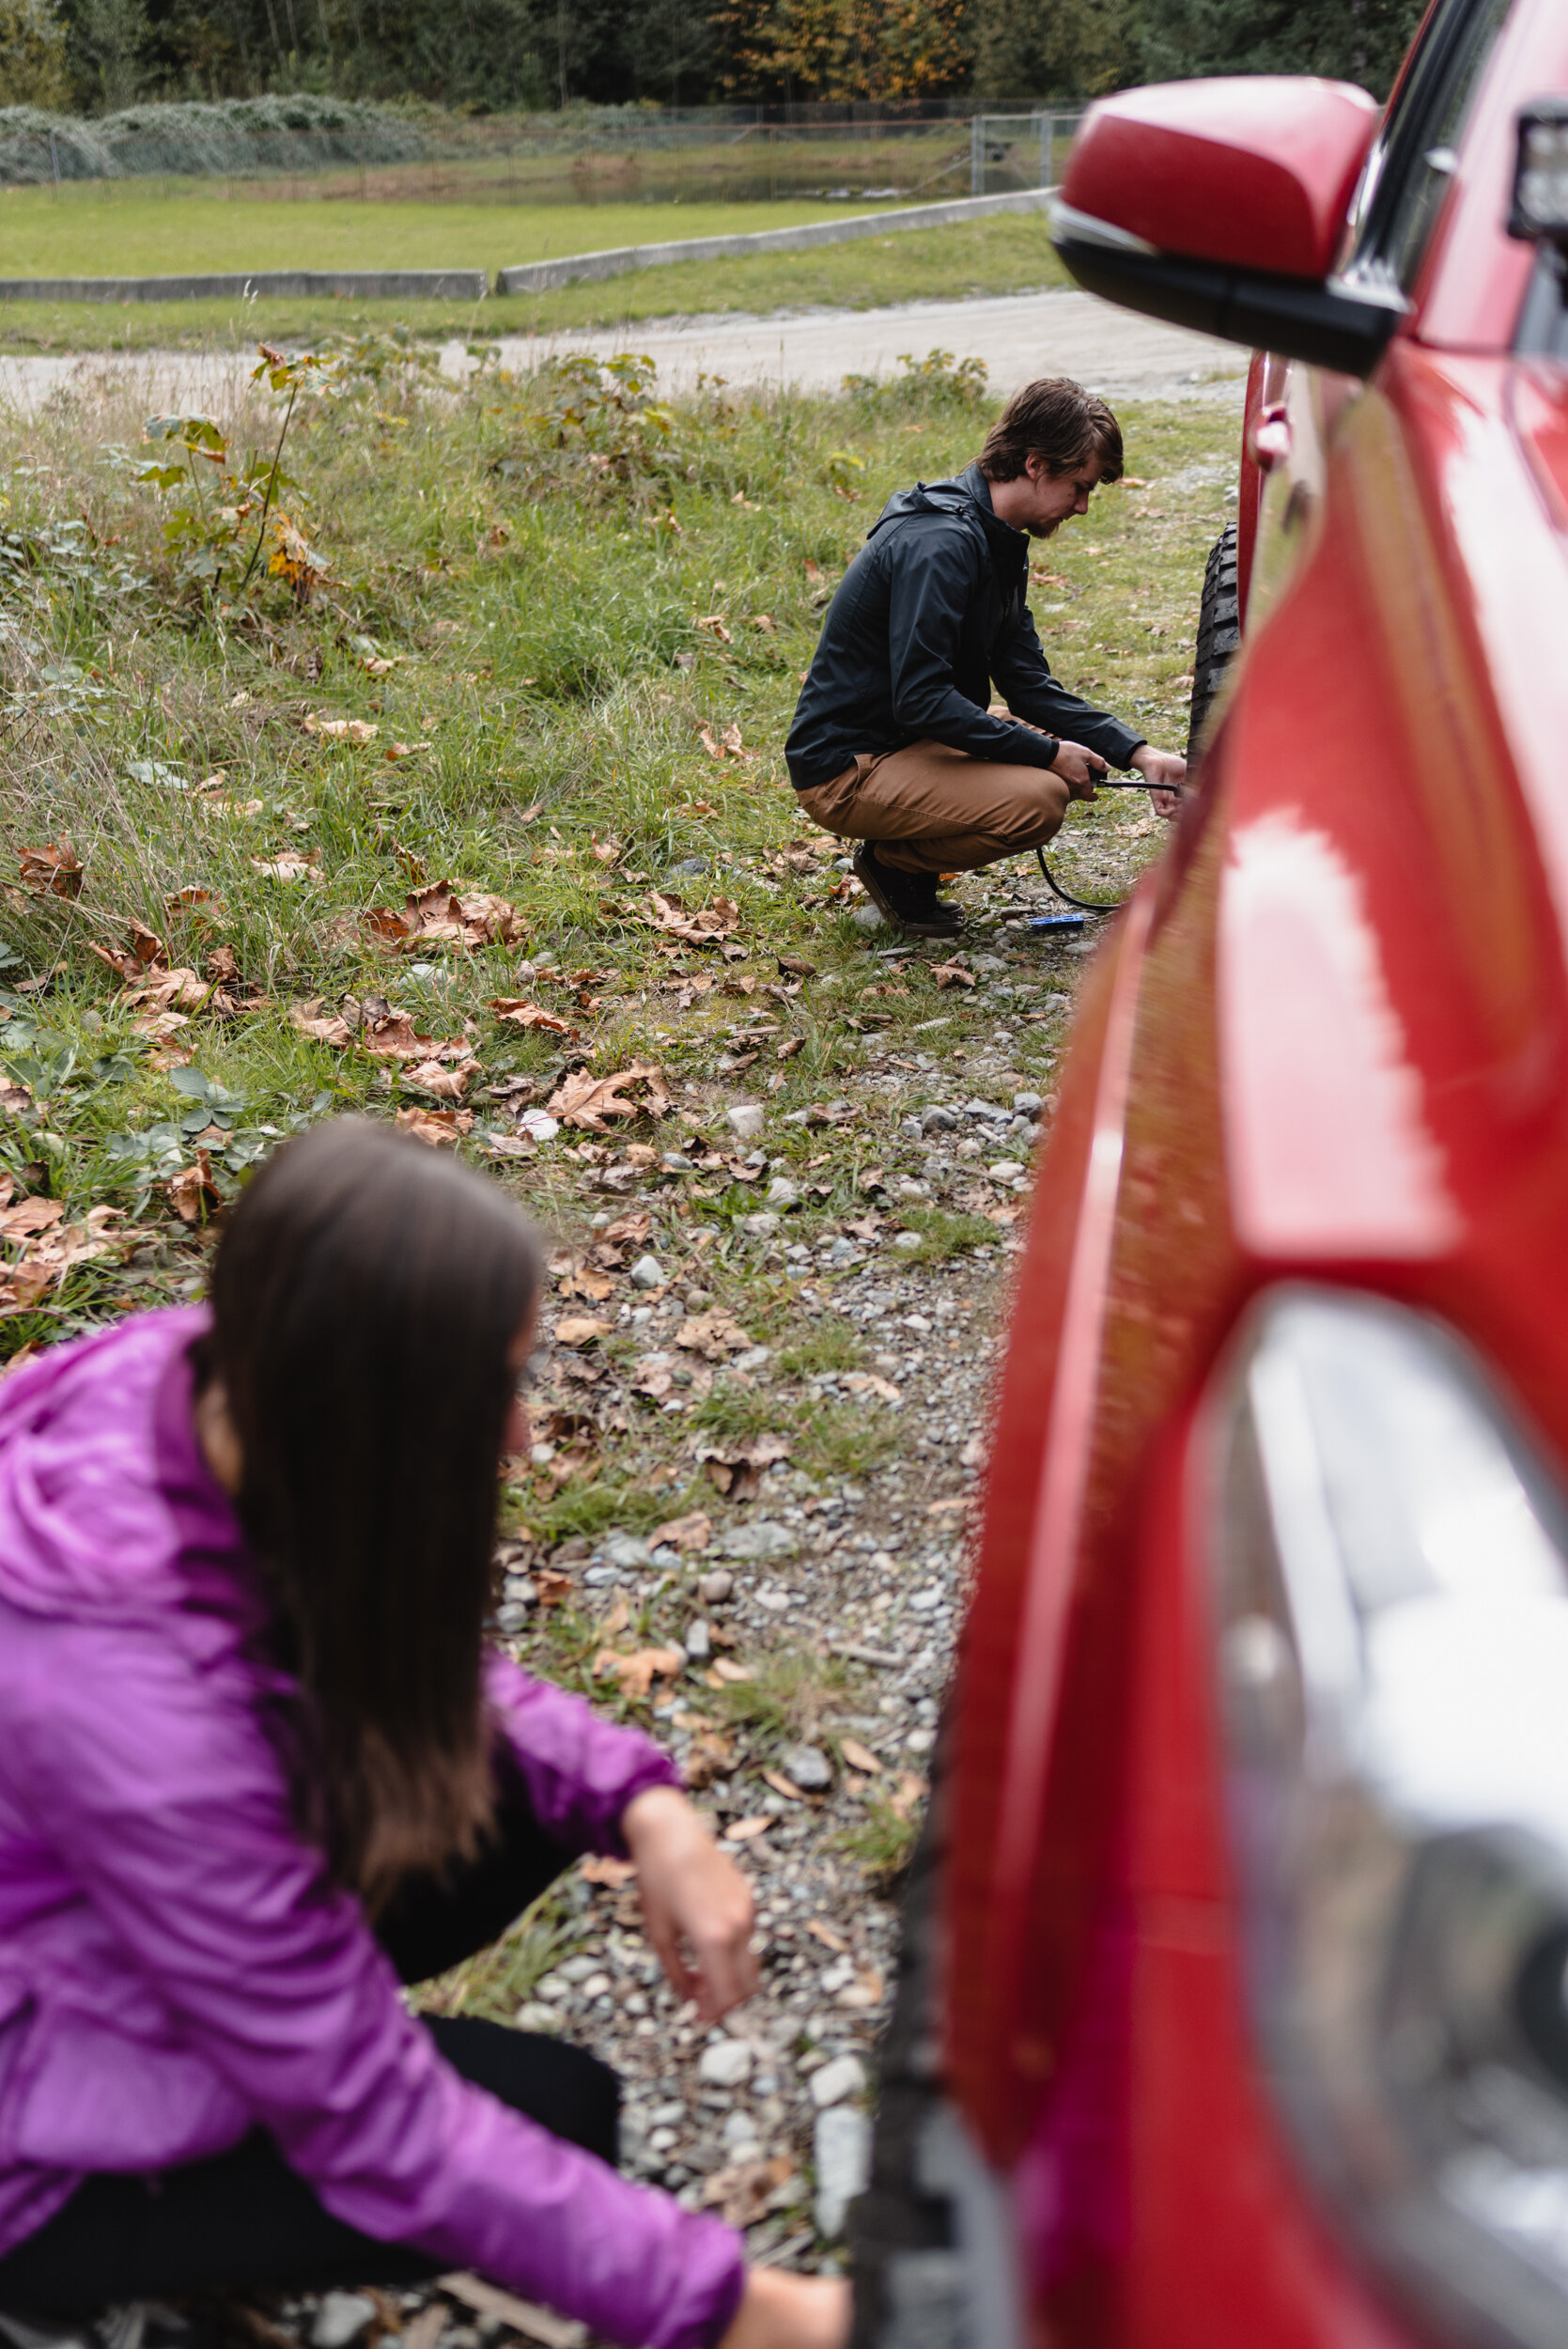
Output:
x=192 y=1191
x=705 y=927
x=334 y=1030
x=14 y=1099
x=289 y=866
x=580 y=1329
x=737 y=1469
x=29 y=1216
x=951 y=974
x=714 y=622
x=342 y=729
x=608 y=850
x=519 y=1012
x=395 y=750
x=52 y=871
x=637 y=1673
x=603 y=1868
x=554 y=1586
x=907 y=1795
x=628 y=1228
x=684 y=1533
x=157 y=1026
x=585 y=1101
x=727 y=745
x=446 y=1084
x=438 y=916
x=743 y=2192
x=713 y=1335
x=438 y=1127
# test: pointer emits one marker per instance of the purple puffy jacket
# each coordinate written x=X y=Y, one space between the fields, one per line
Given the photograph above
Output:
x=175 y=1965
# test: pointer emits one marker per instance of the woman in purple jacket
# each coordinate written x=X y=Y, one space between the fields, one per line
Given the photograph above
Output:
x=257 y=1770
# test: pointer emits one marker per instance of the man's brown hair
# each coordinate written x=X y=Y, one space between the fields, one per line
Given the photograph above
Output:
x=1060 y=423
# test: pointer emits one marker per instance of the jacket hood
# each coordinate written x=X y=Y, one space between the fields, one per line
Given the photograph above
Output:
x=108 y=1510
x=966 y=497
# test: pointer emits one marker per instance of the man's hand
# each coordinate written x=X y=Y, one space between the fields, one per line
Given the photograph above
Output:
x=694 y=1900
x=1079 y=770
x=1164 y=773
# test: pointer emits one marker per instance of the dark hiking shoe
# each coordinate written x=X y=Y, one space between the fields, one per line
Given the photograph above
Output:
x=910 y=899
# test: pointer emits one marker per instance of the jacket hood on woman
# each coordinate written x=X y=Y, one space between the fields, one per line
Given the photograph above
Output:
x=176 y=1965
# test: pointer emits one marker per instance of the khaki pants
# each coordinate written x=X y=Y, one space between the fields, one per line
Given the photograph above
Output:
x=932 y=810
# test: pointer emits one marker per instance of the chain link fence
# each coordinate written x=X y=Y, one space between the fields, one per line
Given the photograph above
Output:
x=306 y=148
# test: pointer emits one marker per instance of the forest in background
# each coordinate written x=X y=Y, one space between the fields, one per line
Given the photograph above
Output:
x=98 y=57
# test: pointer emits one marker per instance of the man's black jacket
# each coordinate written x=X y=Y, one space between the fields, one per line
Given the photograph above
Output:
x=928 y=617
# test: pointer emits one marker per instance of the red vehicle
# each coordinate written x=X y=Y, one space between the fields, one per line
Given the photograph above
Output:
x=1233 y=2013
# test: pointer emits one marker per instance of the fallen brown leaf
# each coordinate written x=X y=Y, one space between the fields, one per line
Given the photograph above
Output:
x=29 y=1216
x=859 y=1757
x=638 y=1672
x=603 y=1868
x=951 y=974
x=704 y=928
x=438 y=916
x=518 y=1013
x=713 y=1335
x=826 y=1936
x=585 y=1101
x=192 y=1191
x=726 y=1668
x=684 y=1533
x=341 y=729
x=737 y=1469
x=52 y=871
x=747 y=1831
x=783 y=1785
x=714 y=622
x=742 y=2193
x=580 y=1329
x=334 y=1030
x=289 y=866
x=438 y=1127
x=445 y=1084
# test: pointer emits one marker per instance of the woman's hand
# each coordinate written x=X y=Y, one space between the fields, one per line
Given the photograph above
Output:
x=694 y=1901
x=781 y=2311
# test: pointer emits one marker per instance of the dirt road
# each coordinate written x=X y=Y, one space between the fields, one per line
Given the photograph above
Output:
x=1017 y=335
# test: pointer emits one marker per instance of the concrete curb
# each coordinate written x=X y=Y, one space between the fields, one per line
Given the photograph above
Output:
x=537 y=277
x=412 y=285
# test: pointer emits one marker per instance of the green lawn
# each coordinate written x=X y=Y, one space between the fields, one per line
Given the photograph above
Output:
x=1008 y=253
x=122 y=228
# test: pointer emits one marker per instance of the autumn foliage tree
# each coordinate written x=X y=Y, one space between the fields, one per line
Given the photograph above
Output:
x=842 y=49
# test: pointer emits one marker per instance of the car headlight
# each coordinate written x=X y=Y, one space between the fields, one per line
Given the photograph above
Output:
x=1393 y=1591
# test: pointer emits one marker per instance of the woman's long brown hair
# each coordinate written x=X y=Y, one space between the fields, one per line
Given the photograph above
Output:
x=366 y=1294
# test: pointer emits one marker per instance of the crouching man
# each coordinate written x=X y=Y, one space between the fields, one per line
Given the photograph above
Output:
x=894 y=744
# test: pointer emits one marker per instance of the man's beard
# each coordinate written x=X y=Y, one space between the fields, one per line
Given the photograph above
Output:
x=1043 y=530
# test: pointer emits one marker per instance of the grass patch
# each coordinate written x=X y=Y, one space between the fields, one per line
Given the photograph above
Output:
x=880 y=1843
x=546 y=610
x=1009 y=253
x=132 y=228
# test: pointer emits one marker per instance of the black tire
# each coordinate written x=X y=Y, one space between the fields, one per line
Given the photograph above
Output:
x=903 y=2261
x=1218 y=634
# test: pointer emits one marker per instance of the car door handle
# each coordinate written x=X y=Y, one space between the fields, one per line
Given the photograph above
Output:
x=1271 y=438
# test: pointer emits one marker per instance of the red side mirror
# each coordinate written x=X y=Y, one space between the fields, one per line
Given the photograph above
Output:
x=1254 y=172
x=1222 y=205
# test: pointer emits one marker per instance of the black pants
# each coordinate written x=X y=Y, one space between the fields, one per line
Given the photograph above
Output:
x=245 y=2220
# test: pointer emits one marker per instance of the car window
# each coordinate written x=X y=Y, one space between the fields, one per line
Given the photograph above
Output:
x=1413 y=159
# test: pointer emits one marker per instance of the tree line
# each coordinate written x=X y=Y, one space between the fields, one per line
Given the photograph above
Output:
x=102 y=56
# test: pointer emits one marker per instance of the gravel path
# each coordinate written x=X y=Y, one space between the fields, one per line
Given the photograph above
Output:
x=1017 y=335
